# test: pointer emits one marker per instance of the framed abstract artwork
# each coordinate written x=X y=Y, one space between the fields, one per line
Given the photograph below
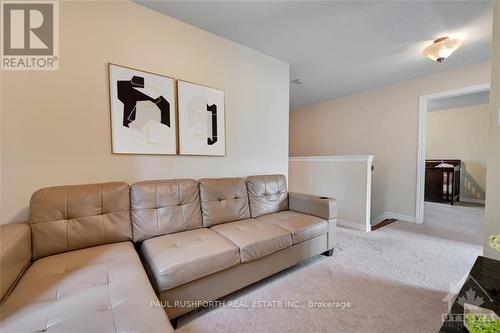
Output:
x=201 y=120
x=143 y=117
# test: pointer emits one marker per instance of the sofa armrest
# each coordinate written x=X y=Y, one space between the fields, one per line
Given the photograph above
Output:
x=15 y=254
x=323 y=207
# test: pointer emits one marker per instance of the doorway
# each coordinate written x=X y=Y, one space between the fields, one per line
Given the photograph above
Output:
x=452 y=99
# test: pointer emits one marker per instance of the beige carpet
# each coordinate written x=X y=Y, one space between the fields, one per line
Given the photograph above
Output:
x=394 y=278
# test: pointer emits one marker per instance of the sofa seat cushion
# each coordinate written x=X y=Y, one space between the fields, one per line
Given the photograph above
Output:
x=99 y=289
x=255 y=239
x=182 y=257
x=302 y=226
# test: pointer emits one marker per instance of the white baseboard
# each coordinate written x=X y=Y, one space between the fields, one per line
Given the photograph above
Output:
x=472 y=200
x=353 y=225
x=391 y=215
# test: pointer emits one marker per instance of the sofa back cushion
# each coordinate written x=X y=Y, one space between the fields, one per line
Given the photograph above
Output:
x=267 y=194
x=164 y=206
x=66 y=218
x=223 y=200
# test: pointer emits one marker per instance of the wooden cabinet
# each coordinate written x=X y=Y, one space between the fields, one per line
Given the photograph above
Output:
x=442 y=180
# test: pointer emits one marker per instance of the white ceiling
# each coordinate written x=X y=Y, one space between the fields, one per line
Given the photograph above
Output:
x=461 y=101
x=338 y=48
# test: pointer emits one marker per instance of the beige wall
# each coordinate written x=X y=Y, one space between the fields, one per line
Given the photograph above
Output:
x=56 y=127
x=345 y=178
x=461 y=134
x=382 y=122
x=492 y=214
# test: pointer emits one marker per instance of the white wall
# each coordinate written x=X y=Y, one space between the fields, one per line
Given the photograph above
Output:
x=55 y=124
x=492 y=213
x=381 y=122
x=461 y=134
x=345 y=178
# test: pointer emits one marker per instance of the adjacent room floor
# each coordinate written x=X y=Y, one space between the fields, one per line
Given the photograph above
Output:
x=395 y=280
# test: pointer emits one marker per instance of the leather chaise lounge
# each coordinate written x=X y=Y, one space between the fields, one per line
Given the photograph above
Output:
x=86 y=275
x=75 y=266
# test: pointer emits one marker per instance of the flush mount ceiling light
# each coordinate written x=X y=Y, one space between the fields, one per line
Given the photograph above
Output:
x=442 y=48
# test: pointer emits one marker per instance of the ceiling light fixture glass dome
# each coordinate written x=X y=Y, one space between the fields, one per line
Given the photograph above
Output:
x=442 y=48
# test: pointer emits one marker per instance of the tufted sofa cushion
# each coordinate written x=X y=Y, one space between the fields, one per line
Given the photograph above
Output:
x=255 y=239
x=267 y=194
x=99 y=289
x=164 y=207
x=186 y=256
x=65 y=218
x=302 y=226
x=223 y=200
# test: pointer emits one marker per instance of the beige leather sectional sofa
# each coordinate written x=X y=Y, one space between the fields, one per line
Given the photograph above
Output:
x=75 y=266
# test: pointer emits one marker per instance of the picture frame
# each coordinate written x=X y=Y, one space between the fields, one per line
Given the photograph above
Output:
x=201 y=119
x=143 y=112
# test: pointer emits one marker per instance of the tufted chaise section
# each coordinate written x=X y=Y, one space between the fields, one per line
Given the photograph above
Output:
x=267 y=194
x=164 y=207
x=66 y=218
x=223 y=200
x=99 y=289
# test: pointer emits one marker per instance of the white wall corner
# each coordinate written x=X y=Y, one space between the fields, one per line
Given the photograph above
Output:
x=353 y=225
x=391 y=215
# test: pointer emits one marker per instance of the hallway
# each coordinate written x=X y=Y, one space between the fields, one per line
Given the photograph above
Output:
x=461 y=222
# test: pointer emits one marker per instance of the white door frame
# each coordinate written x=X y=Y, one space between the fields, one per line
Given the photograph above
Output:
x=422 y=138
